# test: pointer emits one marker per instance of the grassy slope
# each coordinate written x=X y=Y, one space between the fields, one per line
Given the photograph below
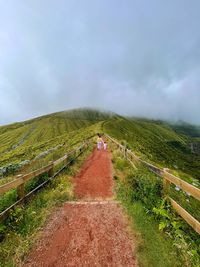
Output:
x=187 y=129
x=25 y=140
x=152 y=247
x=157 y=142
x=24 y=226
x=139 y=196
x=165 y=144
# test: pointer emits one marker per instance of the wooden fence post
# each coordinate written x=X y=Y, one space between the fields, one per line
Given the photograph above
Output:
x=51 y=170
x=125 y=152
x=66 y=161
x=166 y=184
x=20 y=189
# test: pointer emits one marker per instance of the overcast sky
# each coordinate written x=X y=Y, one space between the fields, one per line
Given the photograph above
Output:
x=134 y=57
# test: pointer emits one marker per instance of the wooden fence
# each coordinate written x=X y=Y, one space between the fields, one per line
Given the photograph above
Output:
x=19 y=182
x=168 y=179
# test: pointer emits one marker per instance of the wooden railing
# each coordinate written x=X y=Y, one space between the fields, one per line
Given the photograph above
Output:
x=168 y=179
x=19 y=183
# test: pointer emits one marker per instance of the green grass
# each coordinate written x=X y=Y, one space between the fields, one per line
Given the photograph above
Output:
x=22 y=228
x=10 y=197
x=161 y=143
x=140 y=192
x=157 y=142
x=153 y=248
x=186 y=201
x=26 y=140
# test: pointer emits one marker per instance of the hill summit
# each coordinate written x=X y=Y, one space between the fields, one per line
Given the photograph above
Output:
x=176 y=146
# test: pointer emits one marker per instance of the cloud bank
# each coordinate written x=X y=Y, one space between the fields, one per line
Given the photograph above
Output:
x=133 y=57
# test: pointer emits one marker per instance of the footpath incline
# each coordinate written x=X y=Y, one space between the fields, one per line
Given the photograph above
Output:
x=92 y=231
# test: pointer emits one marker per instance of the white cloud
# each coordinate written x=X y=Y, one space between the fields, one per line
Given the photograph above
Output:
x=140 y=58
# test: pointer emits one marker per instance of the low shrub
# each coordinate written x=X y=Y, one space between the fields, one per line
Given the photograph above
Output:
x=142 y=186
x=7 y=199
x=146 y=186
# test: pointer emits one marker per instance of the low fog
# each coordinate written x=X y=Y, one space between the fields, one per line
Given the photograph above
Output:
x=138 y=58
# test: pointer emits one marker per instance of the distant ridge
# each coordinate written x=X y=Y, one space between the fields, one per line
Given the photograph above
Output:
x=167 y=144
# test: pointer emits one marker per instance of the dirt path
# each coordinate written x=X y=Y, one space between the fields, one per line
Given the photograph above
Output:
x=95 y=178
x=89 y=232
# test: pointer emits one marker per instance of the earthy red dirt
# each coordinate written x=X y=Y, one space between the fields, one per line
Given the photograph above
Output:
x=95 y=178
x=86 y=233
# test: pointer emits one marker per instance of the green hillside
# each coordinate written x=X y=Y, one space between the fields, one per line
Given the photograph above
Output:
x=176 y=146
x=29 y=145
x=25 y=141
x=186 y=129
x=159 y=142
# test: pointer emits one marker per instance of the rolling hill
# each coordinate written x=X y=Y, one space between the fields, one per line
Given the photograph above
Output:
x=175 y=146
x=46 y=136
x=29 y=145
x=160 y=142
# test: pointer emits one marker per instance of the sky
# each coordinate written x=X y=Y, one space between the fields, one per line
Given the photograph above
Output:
x=133 y=57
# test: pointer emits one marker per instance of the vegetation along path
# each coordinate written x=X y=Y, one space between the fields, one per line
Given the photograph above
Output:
x=92 y=231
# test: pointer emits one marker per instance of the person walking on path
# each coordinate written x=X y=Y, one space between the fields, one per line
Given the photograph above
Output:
x=105 y=145
x=99 y=142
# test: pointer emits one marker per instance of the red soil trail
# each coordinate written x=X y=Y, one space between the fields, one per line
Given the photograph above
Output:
x=95 y=178
x=87 y=233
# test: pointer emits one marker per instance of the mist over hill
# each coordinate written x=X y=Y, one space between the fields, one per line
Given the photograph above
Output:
x=176 y=146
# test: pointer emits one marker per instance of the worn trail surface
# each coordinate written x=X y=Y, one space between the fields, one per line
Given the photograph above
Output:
x=95 y=178
x=91 y=231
